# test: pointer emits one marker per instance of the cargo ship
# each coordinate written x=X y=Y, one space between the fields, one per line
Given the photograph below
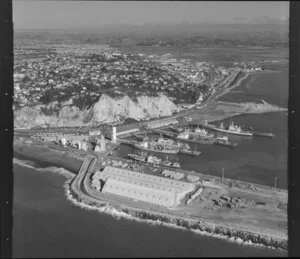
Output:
x=171 y=143
x=154 y=160
x=203 y=133
x=184 y=148
x=157 y=147
x=232 y=129
x=188 y=137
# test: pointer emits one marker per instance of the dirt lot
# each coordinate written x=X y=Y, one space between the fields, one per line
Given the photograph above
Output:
x=262 y=208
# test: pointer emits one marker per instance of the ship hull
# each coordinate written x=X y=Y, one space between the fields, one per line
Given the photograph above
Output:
x=137 y=159
x=198 y=141
x=245 y=134
x=153 y=163
x=225 y=144
x=172 y=152
x=202 y=136
x=188 y=152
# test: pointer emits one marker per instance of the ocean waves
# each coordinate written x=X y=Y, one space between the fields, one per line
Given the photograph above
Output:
x=108 y=209
x=33 y=165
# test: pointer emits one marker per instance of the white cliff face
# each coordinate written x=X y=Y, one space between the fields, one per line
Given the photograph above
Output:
x=103 y=111
x=29 y=117
x=145 y=107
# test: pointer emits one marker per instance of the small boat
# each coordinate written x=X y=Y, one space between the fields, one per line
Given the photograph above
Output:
x=223 y=141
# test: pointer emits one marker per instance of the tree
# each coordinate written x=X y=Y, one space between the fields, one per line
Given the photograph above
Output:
x=25 y=79
x=48 y=96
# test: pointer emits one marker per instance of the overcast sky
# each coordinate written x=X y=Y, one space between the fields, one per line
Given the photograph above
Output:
x=29 y=14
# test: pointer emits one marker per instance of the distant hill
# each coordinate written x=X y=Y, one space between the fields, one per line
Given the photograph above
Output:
x=266 y=34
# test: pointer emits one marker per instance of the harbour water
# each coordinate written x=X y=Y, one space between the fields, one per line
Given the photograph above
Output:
x=255 y=159
x=46 y=224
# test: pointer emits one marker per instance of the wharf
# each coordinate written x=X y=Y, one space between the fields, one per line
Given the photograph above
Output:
x=263 y=134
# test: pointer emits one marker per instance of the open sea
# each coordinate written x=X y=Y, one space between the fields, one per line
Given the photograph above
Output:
x=46 y=224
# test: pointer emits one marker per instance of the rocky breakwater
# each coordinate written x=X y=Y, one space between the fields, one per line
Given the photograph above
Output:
x=262 y=107
x=105 y=110
x=197 y=225
x=79 y=195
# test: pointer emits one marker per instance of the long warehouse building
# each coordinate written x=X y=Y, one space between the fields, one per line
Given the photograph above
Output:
x=140 y=186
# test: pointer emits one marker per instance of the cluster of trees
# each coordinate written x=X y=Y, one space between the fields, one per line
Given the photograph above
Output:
x=50 y=111
x=52 y=94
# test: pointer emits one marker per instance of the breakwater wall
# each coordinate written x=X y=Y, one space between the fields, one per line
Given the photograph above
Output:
x=78 y=197
x=235 y=82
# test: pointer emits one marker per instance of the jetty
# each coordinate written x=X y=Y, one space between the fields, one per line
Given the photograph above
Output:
x=263 y=134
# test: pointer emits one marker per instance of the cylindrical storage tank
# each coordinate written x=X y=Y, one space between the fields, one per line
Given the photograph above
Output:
x=114 y=134
x=64 y=141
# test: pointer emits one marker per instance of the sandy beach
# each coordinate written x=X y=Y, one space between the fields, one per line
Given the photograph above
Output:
x=37 y=152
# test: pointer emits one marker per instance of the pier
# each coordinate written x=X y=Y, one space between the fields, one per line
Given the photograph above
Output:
x=263 y=134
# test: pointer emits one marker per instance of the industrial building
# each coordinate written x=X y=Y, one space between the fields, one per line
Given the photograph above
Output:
x=161 y=123
x=143 y=187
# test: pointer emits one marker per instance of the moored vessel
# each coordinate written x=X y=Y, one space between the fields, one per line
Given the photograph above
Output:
x=154 y=160
x=157 y=147
x=192 y=138
x=223 y=141
x=203 y=133
x=232 y=129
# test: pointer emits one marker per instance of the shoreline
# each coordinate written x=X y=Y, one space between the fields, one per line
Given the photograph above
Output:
x=237 y=84
x=201 y=227
x=70 y=161
x=205 y=227
x=45 y=156
x=142 y=217
x=73 y=191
